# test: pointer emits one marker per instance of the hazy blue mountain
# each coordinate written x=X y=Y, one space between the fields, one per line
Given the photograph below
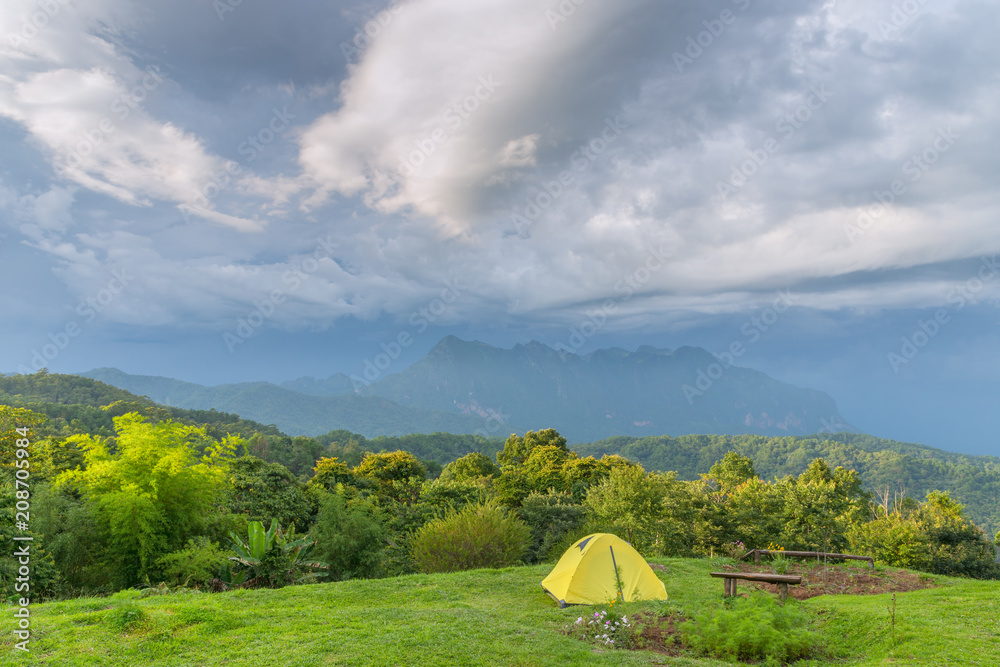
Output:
x=337 y=384
x=469 y=387
x=293 y=412
x=607 y=392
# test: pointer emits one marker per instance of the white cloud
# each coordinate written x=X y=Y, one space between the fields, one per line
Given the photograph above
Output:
x=81 y=100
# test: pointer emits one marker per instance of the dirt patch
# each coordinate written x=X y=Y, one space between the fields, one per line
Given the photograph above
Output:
x=657 y=566
x=836 y=580
x=658 y=634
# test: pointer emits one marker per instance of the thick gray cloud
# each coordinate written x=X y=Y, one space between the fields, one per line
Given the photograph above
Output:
x=542 y=152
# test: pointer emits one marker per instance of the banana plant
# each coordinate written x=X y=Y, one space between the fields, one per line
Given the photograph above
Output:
x=272 y=556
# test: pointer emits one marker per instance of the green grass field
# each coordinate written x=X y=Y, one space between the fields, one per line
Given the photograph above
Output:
x=483 y=617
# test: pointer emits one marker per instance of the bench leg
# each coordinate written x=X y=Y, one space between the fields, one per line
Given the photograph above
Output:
x=732 y=587
x=782 y=591
x=725 y=587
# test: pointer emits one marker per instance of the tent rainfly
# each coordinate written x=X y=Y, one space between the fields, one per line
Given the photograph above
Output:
x=600 y=568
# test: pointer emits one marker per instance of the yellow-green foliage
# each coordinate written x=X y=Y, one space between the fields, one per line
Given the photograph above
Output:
x=478 y=536
x=150 y=490
x=11 y=419
x=195 y=565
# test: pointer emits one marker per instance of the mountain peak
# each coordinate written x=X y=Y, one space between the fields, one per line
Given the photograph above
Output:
x=650 y=391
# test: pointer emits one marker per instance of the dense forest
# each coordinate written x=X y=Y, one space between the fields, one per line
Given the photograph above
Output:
x=124 y=492
x=901 y=469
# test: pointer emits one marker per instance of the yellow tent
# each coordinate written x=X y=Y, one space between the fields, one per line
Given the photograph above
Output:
x=601 y=568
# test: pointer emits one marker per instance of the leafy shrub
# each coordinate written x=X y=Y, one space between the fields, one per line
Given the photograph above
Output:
x=195 y=565
x=126 y=617
x=478 y=536
x=350 y=538
x=550 y=516
x=605 y=627
x=752 y=628
x=274 y=557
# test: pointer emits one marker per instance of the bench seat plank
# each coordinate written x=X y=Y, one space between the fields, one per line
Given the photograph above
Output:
x=782 y=581
x=761 y=576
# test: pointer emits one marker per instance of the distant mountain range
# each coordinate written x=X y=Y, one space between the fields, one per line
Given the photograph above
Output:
x=470 y=387
x=293 y=412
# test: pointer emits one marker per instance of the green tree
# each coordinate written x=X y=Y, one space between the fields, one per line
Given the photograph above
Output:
x=397 y=474
x=820 y=507
x=351 y=537
x=11 y=419
x=629 y=501
x=329 y=472
x=45 y=580
x=517 y=449
x=544 y=467
x=582 y=473
x=957 y=546
x=753 y=512
x=469 y=467
x=151 y=492
x=262 y=491
x=68 y=527
x=550 y=516
x=731 y=471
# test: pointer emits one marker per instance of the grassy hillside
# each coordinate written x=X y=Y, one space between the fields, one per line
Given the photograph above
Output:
x=484 y=617
x=883 y=464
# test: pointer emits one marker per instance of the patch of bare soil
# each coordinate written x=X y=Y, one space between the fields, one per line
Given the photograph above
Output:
x=658 y=634
x=837 y=580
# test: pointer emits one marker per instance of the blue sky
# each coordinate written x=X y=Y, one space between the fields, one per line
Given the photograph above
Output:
x=223 y=191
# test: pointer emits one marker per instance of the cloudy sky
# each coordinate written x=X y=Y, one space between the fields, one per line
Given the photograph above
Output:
x=229 y=190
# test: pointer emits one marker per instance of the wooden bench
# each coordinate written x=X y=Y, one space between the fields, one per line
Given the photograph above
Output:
x=782 y=580
x=756 y=553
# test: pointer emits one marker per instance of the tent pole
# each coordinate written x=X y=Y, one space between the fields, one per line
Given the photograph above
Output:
x=617 y=579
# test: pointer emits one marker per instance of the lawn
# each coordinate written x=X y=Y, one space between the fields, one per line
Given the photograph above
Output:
x=483 y=617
